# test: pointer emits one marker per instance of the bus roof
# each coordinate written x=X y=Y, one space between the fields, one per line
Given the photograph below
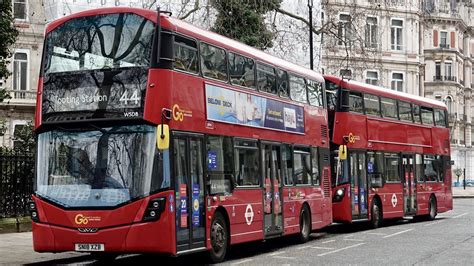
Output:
x=198 y=33
x=381 y=91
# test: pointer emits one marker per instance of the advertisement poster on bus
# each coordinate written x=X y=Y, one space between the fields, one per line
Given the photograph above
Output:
x=241 y=108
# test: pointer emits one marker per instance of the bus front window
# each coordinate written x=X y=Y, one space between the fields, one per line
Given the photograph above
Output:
x=99 y=168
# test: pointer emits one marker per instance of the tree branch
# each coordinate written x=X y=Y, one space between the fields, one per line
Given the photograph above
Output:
x=305 y=21
x=195 y=8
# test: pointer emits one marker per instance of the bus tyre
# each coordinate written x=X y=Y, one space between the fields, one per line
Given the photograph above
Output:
x=376 y=213
x=219 y=238
x=432 y=209
x=305 y=224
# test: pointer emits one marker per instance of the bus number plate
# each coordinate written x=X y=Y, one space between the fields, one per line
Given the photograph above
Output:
x=90 y=247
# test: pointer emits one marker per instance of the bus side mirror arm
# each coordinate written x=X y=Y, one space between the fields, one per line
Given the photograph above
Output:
x=163 y=131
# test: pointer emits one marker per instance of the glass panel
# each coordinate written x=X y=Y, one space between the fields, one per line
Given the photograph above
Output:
x=283 y=86
x=19 y=9
x=185 y=55
x=417 y=114
x=99 y=42
x=287 y=165
x=392 y=170
x=213 y=62
x=87 y=168
x=242 y=70
x=315 y=93
x=404 y=111
x=266 y=78
x=355 y=102
x=430 y=167
x=440 y=117
x=23 y=76
x=246 y=163
x=298 y=89
x=371 y=103
x=389 y=107
x=375 y=168
x=220 y=164
x=419 y=168
x=315 y=166
x=427 y=116
x=302 y=168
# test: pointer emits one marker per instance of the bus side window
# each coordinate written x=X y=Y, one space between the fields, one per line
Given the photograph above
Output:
x=427 y=116
x=355 y=102
x=241 y=70
x=266 y=78
x=315 y=93
x=440 y=118
x=298 y=89
x=185 y=55
x=220 y=177
x=392 y=168
x=246 y=163
x=213 y=62
x=416 y=114
x=372 y=104
x=419 y=168
x=287 y=165
x=430 y=173
x=302 y=160
x=283 y=86
x=315 y=166
x=375 y=169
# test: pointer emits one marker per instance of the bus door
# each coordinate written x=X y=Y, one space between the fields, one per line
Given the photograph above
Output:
x=409 y=184
x=358 y=185
x=272 y=198
x=188 y=173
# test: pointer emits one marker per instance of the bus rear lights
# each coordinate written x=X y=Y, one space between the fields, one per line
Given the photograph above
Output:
x=33 y=211
x=339 y=195
x=154 y=209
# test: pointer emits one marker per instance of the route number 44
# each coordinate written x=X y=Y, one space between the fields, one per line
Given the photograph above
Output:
x=133 y=98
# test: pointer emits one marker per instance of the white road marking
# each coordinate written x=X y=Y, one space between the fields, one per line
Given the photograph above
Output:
x=276 y=253
x=351 y=239
x=303 y=247
x=401 y=232
x=460 y=215
x=437 y=222
x=316 y=247
x=283 y=257
x=242 y=261
x=377 y=234
x=329 y=241
x=341 y=249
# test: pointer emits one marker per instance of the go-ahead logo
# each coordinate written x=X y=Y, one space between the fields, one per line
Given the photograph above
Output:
x=179 y=114
x=81 y=219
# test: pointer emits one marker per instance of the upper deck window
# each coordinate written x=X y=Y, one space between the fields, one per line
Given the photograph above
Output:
x=185 y=55
x=440 y=117
x=213 y=62
x=372 y=106
x=404 y=111
x=389 y=107
x=298 y=89
x=315 y=93
x=356 y=102
x=266 y=78
x=242 y=70
x=283 y=86
x=417 y=114
x=427 y=116
x=109 y=41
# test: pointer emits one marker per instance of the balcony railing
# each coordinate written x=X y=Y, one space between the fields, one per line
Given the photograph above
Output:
x=444 y=45
x=444 y=78
x=20 y=96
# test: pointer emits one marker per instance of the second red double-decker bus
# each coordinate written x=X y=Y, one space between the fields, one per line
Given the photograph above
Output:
x=158 y=136
x=391 y=153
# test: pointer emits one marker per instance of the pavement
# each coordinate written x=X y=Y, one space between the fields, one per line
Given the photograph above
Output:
x=460 y=192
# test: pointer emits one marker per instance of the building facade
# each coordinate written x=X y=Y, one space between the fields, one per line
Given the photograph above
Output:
x=422 y=47
x=24 y=66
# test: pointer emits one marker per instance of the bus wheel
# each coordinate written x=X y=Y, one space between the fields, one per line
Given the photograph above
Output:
x=219 y=241
x=305 y=224
x=433 y=209
x=376 y=213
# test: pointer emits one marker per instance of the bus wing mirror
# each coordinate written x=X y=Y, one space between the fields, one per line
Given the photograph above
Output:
x=342 y=152
x=162 y=137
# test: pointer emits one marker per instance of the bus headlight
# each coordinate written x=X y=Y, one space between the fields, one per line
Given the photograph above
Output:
x=33 y=211
x=339 y=195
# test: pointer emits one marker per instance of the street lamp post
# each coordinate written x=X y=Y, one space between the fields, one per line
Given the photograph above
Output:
x=310 y=7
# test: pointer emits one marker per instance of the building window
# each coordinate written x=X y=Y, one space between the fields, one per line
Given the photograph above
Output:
x=448 y=71
x=397 y=34
x=345 y=73
x=437 y=71
x=19 y=9
x=344 y=31
x=20 y=71
x=443 y=43
x=449 y=104
x=397 y=81
x=371 y=32
x=372 y=77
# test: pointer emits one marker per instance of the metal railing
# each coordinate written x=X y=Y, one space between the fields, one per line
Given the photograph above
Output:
x=16 y=182
x=22 y=95
x=444 y=78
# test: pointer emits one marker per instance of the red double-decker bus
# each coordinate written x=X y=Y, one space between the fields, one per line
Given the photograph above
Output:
x=157 y=136
x=391 y=153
